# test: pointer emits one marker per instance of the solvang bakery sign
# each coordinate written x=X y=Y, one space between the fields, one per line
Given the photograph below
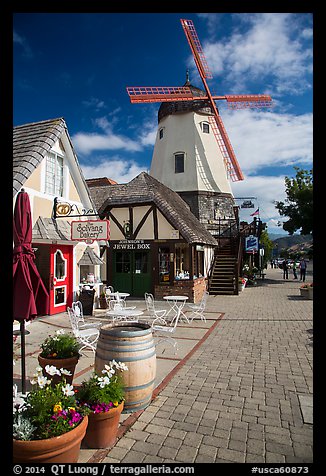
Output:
x=90 y=230
x=131 y=245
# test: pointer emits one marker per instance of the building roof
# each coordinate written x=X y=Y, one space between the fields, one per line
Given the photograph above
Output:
x=31 y=142
x=146 y=189
x=174 y=107
x=50 y=229
x=95 y=182
x=89 y=257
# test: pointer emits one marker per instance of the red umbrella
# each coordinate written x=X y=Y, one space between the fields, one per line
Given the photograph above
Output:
x=30 y=297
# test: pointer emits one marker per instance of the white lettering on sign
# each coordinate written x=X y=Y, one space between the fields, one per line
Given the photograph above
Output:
x=90 y=230
x=131 y=245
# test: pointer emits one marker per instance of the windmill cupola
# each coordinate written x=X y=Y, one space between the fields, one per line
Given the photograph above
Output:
x=177 y=107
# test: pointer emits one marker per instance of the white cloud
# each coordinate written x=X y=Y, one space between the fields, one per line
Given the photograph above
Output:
x=116 y=168
x=85 y=143
x=266 y=139
x=266 y=46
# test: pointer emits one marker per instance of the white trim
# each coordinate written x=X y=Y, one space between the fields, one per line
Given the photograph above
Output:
x=65 y=294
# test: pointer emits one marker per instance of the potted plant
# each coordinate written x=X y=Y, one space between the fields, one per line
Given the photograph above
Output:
x=242 y=283
x=61 y=351
x=48 y=424
x=103 y=395
x=311 y=291
x=304 y=291
x=102 y=300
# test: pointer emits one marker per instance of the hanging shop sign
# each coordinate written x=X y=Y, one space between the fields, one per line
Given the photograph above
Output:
x=251 y=245
x=90 y=230
x=131 y=245
x=247 y=204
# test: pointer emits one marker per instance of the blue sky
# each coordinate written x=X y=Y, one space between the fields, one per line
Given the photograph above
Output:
x=78 y=65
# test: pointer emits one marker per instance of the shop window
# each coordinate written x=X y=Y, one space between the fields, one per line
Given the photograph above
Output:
x=182 y=261
x=179 y=163
x=198 y=262
x=164 y=264
x=54 y=171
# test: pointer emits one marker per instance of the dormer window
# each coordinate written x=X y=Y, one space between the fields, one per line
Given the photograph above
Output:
x=179 y=162
x=54 y=174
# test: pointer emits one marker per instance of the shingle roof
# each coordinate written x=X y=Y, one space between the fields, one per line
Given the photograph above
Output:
x=31 y=142
x=89 y=257
x=146 y=189
x=50 y=229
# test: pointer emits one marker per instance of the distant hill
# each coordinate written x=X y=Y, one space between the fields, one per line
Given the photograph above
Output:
x=290 y=241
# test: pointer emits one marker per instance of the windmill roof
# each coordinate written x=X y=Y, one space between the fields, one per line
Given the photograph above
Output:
x=175 y=107
x=146 y=189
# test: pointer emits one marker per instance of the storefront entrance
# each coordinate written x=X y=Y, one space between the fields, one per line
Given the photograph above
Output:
x=131 y=272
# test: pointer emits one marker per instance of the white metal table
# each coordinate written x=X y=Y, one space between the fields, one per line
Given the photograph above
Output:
x=125 y=314
x=176 y=305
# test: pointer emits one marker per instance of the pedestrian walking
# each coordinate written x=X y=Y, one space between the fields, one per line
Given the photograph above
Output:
x=303 y=269
x=272 y=263
x=295 y=276
x=285 y=268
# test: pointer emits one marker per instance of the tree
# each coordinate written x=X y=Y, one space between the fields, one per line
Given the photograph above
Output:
x=298 y=205
x=267 y=244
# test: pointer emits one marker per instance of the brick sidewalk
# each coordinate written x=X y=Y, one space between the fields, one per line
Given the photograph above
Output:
x=236 y=399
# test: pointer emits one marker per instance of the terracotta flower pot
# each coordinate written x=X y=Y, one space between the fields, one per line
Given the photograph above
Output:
x=102 y=428
x=68 y=364
x=59 y=449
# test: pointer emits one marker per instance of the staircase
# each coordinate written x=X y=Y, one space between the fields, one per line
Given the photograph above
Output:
x=222 y=278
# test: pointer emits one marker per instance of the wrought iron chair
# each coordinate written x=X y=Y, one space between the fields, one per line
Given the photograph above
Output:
x=151 y=308
x=197 y=310
x=117 y=302
x=163 y=330
x=77 y=308
x=87 y=337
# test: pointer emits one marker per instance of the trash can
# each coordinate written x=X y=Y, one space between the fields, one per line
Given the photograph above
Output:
x=86 y=297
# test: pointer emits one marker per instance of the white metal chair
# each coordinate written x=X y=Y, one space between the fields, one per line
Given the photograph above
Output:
x=151 y=308
x=197 y=310
x=118 y=303
x=77 y=308
x=87 y=337
x=163 y=331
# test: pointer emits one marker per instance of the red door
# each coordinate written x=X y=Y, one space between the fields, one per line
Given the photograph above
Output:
x=61 y=277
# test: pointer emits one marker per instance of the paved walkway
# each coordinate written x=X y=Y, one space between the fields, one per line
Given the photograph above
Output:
x=239 y=390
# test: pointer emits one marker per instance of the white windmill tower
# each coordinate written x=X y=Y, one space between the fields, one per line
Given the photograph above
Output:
x=193 y=154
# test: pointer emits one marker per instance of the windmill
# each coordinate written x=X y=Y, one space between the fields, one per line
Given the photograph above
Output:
x=186 y=93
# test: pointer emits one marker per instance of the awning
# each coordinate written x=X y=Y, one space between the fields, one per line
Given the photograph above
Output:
x=90 y=257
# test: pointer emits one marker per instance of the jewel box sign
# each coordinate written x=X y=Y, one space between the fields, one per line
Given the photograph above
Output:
x=90 y=230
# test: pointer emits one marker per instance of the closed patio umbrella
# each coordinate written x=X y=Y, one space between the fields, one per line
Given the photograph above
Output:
x=30 y=297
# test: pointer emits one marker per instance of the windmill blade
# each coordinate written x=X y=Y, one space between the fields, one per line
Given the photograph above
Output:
x=159 y=94
x=231 y=163
x=195 y=46
x=245 y=101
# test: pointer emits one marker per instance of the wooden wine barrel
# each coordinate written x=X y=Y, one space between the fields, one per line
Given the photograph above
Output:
x=132 y=344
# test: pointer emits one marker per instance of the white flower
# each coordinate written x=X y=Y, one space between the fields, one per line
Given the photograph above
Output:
x=103 y=381
x=68 y=390
x=42 y=381
x=52 y=370
x=60 y=332
x=65 y=372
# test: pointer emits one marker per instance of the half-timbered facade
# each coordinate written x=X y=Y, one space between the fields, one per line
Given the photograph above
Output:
x=156 y=243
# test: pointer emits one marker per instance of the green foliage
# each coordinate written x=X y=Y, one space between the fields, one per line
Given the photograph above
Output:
x=299 y=203
x=47 y=411
x=268 y=245
x=101 y=392
x=60 y=346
